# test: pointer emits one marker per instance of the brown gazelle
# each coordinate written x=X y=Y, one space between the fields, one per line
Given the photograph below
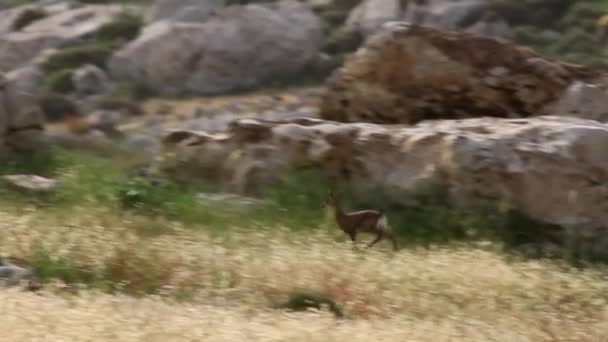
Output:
x=364 y=221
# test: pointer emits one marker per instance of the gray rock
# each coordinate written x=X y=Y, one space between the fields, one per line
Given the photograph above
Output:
x=21 y=119
x=106 y=121
x=445 y=14
x=240 y=48
x=230 y=201
x=371 y=14
x=498 y=28
x=63 y=29
x=142 y=143
x=184 y=10
x=90 y=80
x=13 y=275
x=31 y=183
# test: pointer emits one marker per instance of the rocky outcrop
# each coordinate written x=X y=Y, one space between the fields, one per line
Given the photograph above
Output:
x=405 y=74
x=239 y=48
x=184 y=10
x=553 y=169
x=89 y=80
x=13 y=275
x=369 y=16
x=21 y=119
x=66 y=28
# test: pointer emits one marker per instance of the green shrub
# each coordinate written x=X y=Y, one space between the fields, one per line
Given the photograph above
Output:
x=342 y=41
x=60 y=81
x=583 y=15
x=56 y=106
x=41 y=161
x=73 y=58
x=528 y=35
x=27 y=17
x=49 y=266
x=306 y=300
x=124 y=27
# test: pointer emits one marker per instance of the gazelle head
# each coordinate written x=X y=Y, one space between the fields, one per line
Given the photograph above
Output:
x=330 y=201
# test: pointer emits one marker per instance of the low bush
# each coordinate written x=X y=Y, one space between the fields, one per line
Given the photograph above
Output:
x=124 y=27
x=59 y=81
x=306 y=300
x=56 y=106
x=342 y=41
x=27 y=17
x=72 y=58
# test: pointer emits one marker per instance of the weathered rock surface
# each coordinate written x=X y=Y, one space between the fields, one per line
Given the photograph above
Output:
x=445 y=14
x=90 y=80
x=184 y=10
x=21 y=119
x=239 y=48
x=369 y=16
x=55 y=31
x=31 y=183
x=13 y=275
x=553 y=169
x=405 y=74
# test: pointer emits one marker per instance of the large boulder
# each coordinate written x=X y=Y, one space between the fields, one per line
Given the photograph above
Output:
x=63 y=29
x=241 y=47
x=89 y=80
x=184 y=10
x=553 y=169
x=445 y=14
x=405 y=74
x=21 y=119
x=369 y=16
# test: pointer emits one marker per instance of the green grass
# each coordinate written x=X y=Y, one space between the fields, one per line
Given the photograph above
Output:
x=72 y=58
x=57 y=106
x=60 y=81
x=295 y=201
x=124 y=27
x=111 y=194
x=27 y=17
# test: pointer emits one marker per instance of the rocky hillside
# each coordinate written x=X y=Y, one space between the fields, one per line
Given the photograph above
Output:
x=117 y=72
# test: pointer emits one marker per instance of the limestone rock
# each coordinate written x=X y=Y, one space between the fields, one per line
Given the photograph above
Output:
x=13 y=275
x=405 y=74
x=21 y=119
x=553 y=169
x=62 y=29
x=241 y=47
x=31 y=183
x=184 y=10
x=369 y=16
x=90 y=80
x=445 y=14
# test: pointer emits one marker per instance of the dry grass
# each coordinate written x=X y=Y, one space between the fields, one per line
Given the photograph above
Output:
x=222 y=287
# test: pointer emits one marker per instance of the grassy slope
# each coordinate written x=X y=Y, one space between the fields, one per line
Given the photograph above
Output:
x=177 y=270
x=226 y=285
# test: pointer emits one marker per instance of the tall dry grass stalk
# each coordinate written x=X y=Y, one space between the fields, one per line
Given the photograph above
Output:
x=222 y=287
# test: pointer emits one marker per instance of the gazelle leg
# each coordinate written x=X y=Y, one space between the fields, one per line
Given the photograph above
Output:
x=395 y=245
x=378 y=238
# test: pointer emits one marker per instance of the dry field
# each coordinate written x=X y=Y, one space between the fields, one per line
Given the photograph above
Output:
x=222 y=286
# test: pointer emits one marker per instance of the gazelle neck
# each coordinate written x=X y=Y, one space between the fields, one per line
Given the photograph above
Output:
x=339 y=212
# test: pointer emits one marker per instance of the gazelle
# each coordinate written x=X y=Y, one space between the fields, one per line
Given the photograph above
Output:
x=364 y=221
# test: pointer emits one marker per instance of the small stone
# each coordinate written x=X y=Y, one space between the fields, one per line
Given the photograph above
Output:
x=32 y=183
x=13 y=275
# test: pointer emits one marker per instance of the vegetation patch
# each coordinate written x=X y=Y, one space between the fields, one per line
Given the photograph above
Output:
x=60 y=81
x=72 y=58
x=57 y=106
x=307 y=300
x=27 y=17
x=123 y=28
x=559 y=29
